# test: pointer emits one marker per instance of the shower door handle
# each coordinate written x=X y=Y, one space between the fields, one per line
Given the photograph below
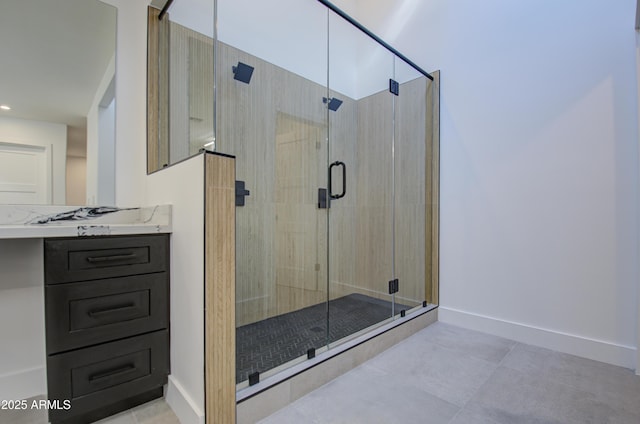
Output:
x=344 y=180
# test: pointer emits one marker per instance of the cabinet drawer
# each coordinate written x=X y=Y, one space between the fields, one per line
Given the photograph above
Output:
x=106 y=374
x=79 y=259
x=90 y=312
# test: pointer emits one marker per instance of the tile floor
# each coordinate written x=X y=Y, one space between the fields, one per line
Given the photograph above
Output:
x=445 y=374
x=154 y=412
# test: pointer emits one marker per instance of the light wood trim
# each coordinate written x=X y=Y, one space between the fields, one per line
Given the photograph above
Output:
x=157 y=90
x=153 y=37
x=163 y=91
x=220 y=328
x=433 y=190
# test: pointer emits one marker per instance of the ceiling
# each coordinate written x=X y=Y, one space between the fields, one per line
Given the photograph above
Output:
x=53 y=55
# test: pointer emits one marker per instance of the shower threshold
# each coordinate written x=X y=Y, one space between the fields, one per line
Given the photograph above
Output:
x=270 y=343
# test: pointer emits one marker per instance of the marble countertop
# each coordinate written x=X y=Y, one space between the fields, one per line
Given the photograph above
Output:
x=35 y=221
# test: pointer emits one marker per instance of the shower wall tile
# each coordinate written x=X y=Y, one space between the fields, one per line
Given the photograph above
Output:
x=255 y=259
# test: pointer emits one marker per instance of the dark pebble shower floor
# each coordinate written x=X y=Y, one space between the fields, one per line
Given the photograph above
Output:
x=269 y=343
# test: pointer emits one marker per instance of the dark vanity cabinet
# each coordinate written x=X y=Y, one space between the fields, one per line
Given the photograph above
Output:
x=107 y=323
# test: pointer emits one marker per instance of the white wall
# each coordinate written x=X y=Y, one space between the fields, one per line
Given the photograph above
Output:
x=194 y=14
x=638 y=91
x=265 y=30
x=100 y=189
x=182 y=185
x=131 y=98
x=76 y=180
x=38 y=133
x=539 y=165
x=106 y=153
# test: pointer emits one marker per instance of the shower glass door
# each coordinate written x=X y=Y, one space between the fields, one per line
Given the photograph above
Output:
x=328 y=130
x=270 y=84
x=360 y=230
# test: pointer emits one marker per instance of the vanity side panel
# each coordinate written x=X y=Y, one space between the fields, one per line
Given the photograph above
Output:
x=182 y=185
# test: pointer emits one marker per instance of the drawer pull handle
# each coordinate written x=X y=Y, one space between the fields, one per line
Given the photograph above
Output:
x=112 y=373
x=112 y=258
x=96 y=313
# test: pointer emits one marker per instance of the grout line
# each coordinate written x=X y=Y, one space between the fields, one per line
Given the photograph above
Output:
x=508 y=353
x=475 y=393
x=551 y=377
x=456 y=415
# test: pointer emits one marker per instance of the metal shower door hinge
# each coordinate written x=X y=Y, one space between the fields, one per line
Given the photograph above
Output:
x=241 y=192
x=394 y=286
x=394 y=87
x=254 y=378
x=323 y=199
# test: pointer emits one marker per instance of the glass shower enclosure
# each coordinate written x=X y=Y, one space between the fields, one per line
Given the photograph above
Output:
x=335 y=155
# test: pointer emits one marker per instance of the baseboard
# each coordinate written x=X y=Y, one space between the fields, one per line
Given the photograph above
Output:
x=23 y=384
x=599 y=350
x=182 y=404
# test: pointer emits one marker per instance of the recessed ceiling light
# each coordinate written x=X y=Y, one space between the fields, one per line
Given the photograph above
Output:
x=5 y=107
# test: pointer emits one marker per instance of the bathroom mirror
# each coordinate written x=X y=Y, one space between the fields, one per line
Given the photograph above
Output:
x=180 y=48
x=58 y=79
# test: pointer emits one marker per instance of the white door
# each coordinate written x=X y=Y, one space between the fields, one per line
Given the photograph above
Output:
x=24 y=174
